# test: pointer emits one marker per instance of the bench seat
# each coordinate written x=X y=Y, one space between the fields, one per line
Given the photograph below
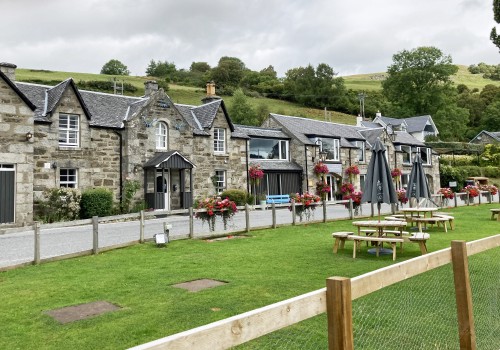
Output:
x=278 y=199
x=433 y=220
x=495 y=212
x=357 y=242
x=421 y=239
x=340 y=238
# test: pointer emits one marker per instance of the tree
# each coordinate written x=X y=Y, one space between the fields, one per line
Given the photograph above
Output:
x=228 y=74
x=161 y=69
x=451 y=122
x=491 y=117
x=240 y=110
x=419 y=80
x=201 y=67
x=114 y=67
x=495 y=38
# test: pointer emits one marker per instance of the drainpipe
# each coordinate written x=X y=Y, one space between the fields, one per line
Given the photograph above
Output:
x=307 y=176
x=247 y=165
x=121 y=167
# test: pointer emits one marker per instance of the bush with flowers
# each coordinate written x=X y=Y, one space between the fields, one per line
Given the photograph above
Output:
x=472 y=191
x=211 y=207
x=356 y=200
x=305 y=204
x=447 y=194
x=322 y=189
x=402 y=196
x=256 y=174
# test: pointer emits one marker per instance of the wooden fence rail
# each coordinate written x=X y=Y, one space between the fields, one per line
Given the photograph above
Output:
x=239 y=329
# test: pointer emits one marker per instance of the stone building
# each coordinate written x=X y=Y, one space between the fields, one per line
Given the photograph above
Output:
x=61 y=136
x=486 y=137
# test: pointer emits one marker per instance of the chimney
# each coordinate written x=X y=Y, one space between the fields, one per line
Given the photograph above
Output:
x=150 y=87
x=359 y=119
x=9 y=70
x=378 y=114
x=211 y=96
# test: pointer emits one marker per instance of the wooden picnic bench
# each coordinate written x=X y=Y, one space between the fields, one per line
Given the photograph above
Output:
x=421 y=239
x=495 y=212
x=357 y=243
x=432 y=220
x=340 y=238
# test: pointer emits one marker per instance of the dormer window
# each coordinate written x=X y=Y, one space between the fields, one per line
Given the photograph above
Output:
x=69 y=130
x=332 y=148
x=268 y=149
x=161 y=135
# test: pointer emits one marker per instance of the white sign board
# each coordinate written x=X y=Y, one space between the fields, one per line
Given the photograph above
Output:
x=452 y=184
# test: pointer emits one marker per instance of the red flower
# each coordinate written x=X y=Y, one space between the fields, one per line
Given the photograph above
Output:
x=352 y=170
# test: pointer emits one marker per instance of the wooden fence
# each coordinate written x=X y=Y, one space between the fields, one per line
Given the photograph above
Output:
x=336 y=300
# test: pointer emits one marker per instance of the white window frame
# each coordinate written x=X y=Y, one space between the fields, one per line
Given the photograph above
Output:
x=69 y=135
x=405 y=178
x=403 y=147
x=362 y=180
x=336 y=149
x=428 y=153
x=70 y=177
x=219 y=140
x=283 y=147
x=221 y=181
x=161 y=131
x=361 y=155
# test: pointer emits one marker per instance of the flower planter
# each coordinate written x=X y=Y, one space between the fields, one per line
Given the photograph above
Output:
x=263 y=204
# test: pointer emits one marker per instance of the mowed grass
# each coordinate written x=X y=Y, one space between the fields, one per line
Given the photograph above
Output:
x=269 y=266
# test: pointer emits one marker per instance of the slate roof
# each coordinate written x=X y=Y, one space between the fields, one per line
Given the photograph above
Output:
x=202 y=117
x=278 y=165
x=17 y=91
x=495 y=135
x=161 y=157
x=303 y=128
x=254 y=131
x=413 y=124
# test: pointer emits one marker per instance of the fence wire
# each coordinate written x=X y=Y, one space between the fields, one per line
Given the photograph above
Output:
x=418 y=313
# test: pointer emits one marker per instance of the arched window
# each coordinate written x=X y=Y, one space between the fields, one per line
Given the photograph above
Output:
x=161 y=135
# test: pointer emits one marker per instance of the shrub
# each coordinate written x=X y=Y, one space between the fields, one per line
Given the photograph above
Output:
x=59 y=204
x=458 y=160
x=240 y=197
x=96 y=202
x=130 y=187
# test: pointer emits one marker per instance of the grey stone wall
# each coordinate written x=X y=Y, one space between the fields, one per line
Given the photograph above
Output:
x=16 y=120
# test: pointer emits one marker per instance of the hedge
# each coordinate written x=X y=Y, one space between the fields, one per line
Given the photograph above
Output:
x=96 y=202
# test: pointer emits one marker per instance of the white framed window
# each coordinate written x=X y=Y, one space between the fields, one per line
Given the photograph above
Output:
x=219 y=140
x=332 y=148
x=406 y=150
x=425 y=154
x=69 y=130
x=266 y=149
x=361 y=151
x=220 y=181
x=362 y=179
x=68 y=178
x=404 y=180
x=161 y=135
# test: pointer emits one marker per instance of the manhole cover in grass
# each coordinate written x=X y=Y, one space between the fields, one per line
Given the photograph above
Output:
x=197 y=285
x=80 y=312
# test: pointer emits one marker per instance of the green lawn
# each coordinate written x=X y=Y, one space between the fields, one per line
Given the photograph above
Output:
x=269 y=266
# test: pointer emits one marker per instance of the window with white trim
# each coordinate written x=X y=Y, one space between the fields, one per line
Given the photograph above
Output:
x=219 y=140
x=362 y=179
x=425 y=154
x=68 y=178
x=220 y=181
x=406 y=150
x=405 y=178
x=69 y=130
x=332 y=148
x=161 y=135
x=361 y=151
x=268 y=149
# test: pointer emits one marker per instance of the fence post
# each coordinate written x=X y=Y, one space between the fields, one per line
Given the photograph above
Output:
x=351 y=214
x=372 y=209
x=36 y=228
x=191 y=222
x=463 y=295
x=141 y=230
x=479 y=197
x=324 y=210
x=455 y=199
x=95 y=235
x=468 y=198
x=247 y=217
x=339 y=313
x=489 y=197
x=273 y=213
x=294 y=214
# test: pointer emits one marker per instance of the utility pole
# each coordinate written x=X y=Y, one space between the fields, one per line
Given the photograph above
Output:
x=361 y=97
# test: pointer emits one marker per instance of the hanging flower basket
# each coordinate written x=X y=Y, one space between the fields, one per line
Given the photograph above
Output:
x=356 y=200
x=322 y=189
x=213 y=207
x=347 y=188
x=307 y=204
x=352 y=170
x=447 y=195
x=256 y=174
x=396 y=173
x=320 y=169
x=402 y=196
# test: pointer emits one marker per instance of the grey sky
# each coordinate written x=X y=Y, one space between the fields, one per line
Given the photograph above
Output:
x=351 y=36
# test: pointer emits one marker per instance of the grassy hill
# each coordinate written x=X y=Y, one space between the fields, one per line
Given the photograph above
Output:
x=193 y=95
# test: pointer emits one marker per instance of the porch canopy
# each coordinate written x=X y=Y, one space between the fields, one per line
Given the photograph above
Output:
x=166 y=162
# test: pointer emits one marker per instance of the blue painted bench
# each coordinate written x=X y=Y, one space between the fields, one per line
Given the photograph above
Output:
x=278 y=199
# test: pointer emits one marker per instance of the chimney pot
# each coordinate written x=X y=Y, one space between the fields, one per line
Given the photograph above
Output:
x=150 y=86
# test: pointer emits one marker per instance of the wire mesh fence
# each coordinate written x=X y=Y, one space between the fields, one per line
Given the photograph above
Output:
x=417 y=313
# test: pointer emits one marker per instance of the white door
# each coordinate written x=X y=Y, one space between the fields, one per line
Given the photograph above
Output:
x=330 y=180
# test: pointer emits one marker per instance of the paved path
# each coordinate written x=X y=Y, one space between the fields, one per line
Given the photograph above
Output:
x=17 y=248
